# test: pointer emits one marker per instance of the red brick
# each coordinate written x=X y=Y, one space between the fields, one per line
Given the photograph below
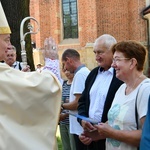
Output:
x=120 y=18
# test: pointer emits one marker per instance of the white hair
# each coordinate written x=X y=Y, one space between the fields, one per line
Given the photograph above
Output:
x=13 y=48
x=107 y=40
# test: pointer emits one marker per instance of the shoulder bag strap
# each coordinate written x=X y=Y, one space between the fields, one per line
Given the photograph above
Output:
x=136 y=112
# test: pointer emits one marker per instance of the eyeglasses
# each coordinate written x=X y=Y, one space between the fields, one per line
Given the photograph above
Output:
x=116 y=60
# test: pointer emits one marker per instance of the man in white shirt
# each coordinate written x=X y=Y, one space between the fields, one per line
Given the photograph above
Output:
x=100 y=88
x=11 y=58
x=71 y=62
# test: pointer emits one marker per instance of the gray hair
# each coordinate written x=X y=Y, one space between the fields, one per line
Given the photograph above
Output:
x=107 y=40
x=13 y=48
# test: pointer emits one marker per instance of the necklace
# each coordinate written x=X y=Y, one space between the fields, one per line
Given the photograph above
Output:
x=130 y=89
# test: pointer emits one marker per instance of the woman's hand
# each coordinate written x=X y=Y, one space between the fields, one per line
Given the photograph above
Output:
x=129 y=137
x=104 y=130
x=87 y=126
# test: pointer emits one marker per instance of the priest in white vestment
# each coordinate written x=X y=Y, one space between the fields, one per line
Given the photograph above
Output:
x=29 y=102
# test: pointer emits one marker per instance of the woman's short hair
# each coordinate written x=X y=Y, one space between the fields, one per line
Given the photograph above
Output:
x=132 y=49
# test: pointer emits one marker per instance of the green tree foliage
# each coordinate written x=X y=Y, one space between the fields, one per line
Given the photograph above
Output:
x=16 y=11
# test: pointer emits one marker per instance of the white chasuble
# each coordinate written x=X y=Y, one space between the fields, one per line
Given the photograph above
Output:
x=29 y=109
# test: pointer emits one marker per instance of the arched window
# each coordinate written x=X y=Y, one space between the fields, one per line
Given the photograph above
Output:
x=70 y=18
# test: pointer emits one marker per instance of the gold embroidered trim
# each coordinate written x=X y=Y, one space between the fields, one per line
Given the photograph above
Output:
x=5 y=30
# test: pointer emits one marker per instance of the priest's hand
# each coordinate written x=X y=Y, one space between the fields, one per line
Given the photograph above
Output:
x=26 y=69
x=50 y=49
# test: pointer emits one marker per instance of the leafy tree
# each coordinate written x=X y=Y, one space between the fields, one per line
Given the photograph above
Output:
x=16 y=11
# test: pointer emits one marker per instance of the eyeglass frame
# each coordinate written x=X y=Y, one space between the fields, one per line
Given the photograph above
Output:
x=116 y=60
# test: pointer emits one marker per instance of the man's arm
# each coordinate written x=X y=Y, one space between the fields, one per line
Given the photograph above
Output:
x=72 y=105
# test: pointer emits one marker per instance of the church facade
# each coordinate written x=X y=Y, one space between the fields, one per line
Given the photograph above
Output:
x=77 y=23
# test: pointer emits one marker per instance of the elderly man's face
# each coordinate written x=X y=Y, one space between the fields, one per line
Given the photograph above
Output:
x=10 y=57
x=4 y=45
x=103 y=55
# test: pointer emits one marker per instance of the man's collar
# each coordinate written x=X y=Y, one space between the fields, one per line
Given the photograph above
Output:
x=78 y=68
x=14 y=64
x=111 y=70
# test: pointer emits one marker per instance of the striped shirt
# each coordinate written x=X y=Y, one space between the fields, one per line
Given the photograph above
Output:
x=65 y=99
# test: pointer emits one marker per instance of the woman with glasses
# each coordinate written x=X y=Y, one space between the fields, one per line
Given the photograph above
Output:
x=128 y=110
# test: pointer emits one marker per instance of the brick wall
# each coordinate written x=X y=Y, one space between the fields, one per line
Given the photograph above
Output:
x=137 y=26
x=120 y=18
x=117 y=17
x=87 y=21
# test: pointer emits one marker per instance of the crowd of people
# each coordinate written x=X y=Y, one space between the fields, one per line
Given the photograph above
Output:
x=116 y=95
x=126 y=116
x=106 y=108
